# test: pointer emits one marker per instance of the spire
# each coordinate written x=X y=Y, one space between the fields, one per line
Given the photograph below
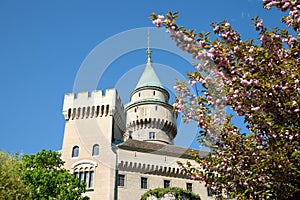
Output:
x=149 y=77
x=148 y=50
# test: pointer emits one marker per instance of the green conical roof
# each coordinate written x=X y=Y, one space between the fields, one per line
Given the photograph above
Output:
x=149 y=77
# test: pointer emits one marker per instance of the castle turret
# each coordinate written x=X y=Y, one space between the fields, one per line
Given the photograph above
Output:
x=149 y=115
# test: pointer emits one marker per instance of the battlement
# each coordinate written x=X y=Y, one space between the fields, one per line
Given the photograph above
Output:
x=84 y=105
x=89 y=98
x=168 y=127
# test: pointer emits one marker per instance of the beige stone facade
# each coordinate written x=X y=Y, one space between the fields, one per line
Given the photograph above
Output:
x=119 y=151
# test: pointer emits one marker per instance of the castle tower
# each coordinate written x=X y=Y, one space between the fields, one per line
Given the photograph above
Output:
x=149 y=115
x=93 y=123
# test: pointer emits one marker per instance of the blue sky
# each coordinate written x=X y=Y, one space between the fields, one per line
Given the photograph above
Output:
x=44 y=43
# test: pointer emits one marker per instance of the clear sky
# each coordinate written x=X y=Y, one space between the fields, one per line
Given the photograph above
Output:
x=44 y=43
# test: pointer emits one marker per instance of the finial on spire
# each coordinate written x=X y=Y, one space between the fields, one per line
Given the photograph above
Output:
x=148 y=50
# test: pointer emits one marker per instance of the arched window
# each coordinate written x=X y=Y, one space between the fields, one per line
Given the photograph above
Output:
x=85 y=173
x=95 y=150
x=75 y=151
x=86 y=176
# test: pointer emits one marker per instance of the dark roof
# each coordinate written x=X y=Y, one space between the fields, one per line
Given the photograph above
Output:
x=162 y=149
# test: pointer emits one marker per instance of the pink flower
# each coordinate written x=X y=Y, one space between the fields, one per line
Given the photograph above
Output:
x=192 y=82
x=202 y=43
x=245 y=82
x=259 y=24
x=158 y=21
x=216 y=29
x=236 y=48
x=255 y=108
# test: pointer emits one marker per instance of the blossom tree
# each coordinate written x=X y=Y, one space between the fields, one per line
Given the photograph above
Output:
x=259 y=80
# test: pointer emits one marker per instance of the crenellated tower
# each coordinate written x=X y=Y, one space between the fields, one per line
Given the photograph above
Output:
x=149 y=115
x=94 y=122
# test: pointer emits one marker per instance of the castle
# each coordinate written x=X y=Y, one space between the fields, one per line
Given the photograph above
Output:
x=120 y=151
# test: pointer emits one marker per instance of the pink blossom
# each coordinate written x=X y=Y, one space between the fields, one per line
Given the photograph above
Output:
x=216 y=29
x=255 y=108
x=245 y=82
x=192 y=82
x=259 y=24
x=158 y=21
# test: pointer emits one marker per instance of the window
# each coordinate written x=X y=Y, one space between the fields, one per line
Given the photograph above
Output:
x=167 y=183
x=91 y=179
x=84 y=171
x=75 y=151
x=153 y=93
x=121 y=180
x=85 y=176
x=144 y=184
x=189 y=186
x=151 y=135
x=130 y=134
x=81 y=177
x=95 y=150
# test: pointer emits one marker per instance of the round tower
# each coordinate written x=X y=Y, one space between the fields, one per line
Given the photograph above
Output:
x=149 y=115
